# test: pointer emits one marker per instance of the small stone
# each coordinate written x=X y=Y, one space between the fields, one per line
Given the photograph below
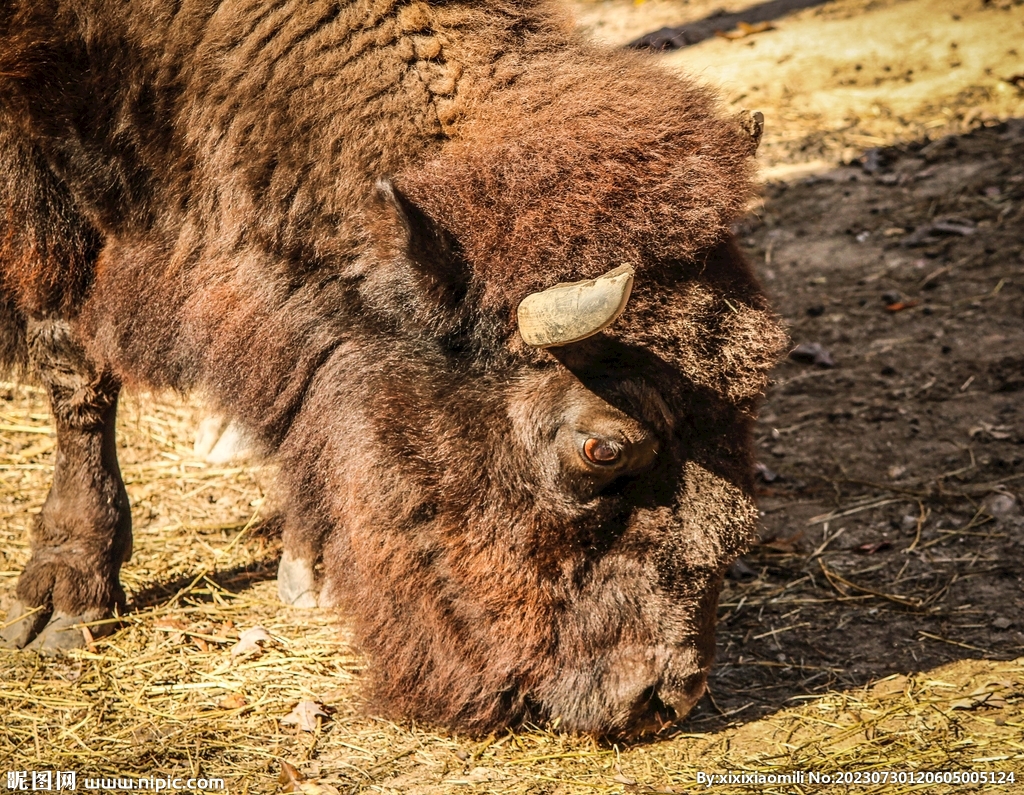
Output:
x=872 y=160
x=740 y=570
x=1000 y=505
x=908 y=522
x=812 y=353
x=1002 y=623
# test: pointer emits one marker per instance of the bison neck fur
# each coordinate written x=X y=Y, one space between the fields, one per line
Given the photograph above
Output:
x=324 y=215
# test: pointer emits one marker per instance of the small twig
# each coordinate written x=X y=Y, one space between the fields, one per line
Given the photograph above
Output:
x=952 y=642
x=936 y=492
x=24 y=615
x=801 y=377
x=826 y=517
x=834 y=578
x=917 y=495
x=174 y=599
x=781 y=629
x=248 y=526
x=826 y=542
x=921 y=518
x=933 y=598
x=961 y=530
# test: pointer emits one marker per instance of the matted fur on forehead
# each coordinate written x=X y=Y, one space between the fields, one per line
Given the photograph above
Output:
x=585 y=163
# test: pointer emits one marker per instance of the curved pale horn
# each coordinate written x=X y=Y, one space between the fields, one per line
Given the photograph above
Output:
x=571 y=312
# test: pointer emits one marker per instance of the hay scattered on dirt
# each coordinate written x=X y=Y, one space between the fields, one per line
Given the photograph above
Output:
x=847 y=75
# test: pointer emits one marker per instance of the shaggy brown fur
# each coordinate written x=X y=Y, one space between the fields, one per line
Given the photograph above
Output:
x=190 y=194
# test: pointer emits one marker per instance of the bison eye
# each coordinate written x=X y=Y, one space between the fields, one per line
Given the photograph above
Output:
x=601 y=451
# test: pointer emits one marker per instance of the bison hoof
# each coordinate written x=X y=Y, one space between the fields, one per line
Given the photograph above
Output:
x=22 y=625
x=221 y=442
x=38 y=630
x=63 y=632
x=296 y=584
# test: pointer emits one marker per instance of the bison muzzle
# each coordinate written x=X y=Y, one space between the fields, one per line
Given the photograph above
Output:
x=467 y=277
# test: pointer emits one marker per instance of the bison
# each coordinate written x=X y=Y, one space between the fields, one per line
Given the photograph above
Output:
x=395 y=240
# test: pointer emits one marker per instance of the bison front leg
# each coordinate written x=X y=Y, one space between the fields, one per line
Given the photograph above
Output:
x=83 y=533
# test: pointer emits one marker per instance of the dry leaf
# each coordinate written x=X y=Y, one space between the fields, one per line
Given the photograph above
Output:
x=90 y=640
x=785 y=545
x=173 y=626
x=991 y=696
x=479 y=775
x=899 y=306
x=305 y=715
x=290 y=780
x=250 y=641
x=233 y=701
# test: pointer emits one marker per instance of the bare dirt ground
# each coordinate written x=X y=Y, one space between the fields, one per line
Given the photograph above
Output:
x=879 y=626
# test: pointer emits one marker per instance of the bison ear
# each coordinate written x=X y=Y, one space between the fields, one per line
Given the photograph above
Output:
x=429 y=261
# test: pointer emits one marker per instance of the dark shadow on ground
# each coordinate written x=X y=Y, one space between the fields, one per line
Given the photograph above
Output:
x=718 y=22
x=892 y=484
x=235 y=579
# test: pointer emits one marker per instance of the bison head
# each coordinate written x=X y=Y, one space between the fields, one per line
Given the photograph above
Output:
x=539 y=534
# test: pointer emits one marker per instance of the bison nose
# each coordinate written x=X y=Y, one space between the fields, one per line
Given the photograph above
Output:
x=685 y=698
x=657 y=708
x=649 y=715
